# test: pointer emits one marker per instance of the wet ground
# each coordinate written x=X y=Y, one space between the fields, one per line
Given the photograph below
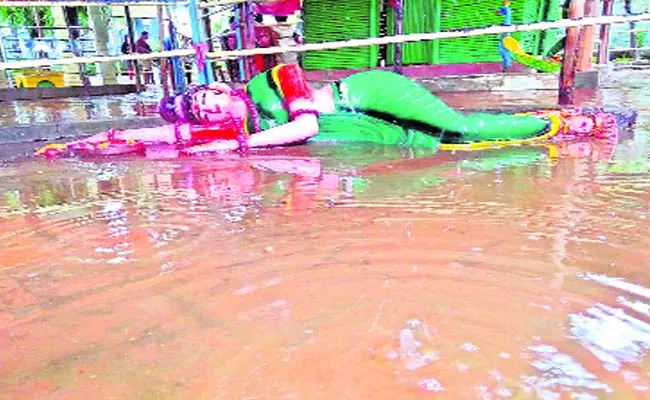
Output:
x=332 y=272
x=79 y=109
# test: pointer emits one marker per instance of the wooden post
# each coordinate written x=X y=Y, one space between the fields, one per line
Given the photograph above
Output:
x=163 y=60
x=633 y=41
x=566 y=93
x=588 y=41
x=136 y=67
x=398 y=30
x=603 y=49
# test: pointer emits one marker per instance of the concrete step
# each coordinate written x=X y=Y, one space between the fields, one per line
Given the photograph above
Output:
x=506 y=82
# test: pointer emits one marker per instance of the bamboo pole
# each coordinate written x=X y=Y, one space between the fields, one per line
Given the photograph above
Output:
x=163 y=61
x=205 y=18
x=603 y=48
x=414 y=37
x=588 y=42
x=73 y=41
x=37 y=22
x=99 y=23
x=239 y=42
x=176 y=73
x=249 y=34
x=198 y=36
x=3 y=74
x=398 y=30
x=566 y=94
x=136 y=67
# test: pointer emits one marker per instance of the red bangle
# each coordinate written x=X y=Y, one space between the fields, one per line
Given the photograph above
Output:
x=242 y=138
x=296 y=113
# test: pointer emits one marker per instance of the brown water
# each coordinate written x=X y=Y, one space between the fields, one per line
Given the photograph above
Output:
x=329 y=272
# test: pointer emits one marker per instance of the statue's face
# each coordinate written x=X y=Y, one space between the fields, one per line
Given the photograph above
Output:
x=581 y=125
x=216 y=104
x=575 y=123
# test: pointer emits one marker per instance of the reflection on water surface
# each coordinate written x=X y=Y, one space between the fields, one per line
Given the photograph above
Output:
x=320 y=272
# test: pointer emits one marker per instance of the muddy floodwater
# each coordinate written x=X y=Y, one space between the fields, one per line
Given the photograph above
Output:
x=330 y=272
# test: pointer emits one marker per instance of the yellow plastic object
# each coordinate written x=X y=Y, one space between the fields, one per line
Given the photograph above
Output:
x=39 y=79
x=523 y=58
x=512 y=45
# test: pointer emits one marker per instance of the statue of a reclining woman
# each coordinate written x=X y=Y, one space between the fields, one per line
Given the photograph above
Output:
x=278 y=108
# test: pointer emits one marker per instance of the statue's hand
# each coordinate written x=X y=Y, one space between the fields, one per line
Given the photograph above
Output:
x=217 y=146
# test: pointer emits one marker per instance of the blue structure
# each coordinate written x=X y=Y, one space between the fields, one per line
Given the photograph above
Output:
x=242 y=73
x=199 y=36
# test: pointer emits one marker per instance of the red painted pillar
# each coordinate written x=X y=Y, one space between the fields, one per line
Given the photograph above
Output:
x=603 y=49
x=588 y=41
x=566 y=93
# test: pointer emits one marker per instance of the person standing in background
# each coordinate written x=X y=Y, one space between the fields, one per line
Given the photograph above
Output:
x=126 y=49
x=142 y=47
x=506 y=11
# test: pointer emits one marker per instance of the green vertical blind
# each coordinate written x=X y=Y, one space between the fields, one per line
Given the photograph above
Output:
x=330 y=20
x=327 y=20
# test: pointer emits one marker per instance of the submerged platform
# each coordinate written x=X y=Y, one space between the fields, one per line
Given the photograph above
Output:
x=626 y=118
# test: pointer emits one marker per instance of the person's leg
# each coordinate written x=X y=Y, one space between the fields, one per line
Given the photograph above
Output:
x=506 y=56
x=148 y=74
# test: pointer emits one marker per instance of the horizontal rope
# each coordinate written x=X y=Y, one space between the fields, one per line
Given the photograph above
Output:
x=414 y=37
x=630 y=49
x=68 y=3
x=218 y=3
x=419 y=37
